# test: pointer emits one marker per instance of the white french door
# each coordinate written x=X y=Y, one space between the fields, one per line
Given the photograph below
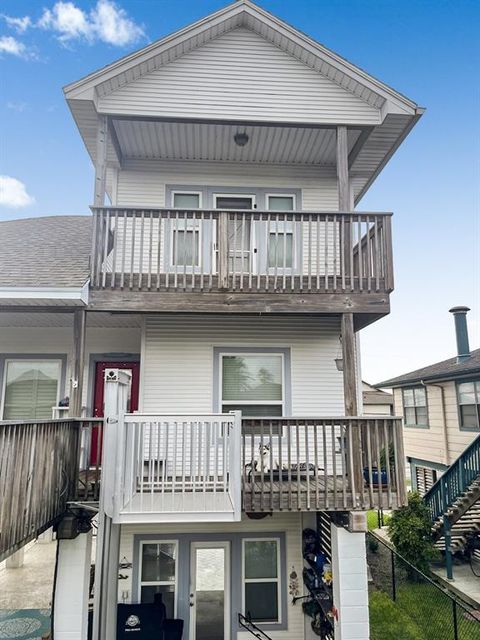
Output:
x=210 y=591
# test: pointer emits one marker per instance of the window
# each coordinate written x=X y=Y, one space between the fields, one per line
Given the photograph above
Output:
x=261 y=579
x=469 y=404
x=415 y=407
x=158 y=573
x=280 y=241
x=185 y=231
x=252 y=384
x=31 y=389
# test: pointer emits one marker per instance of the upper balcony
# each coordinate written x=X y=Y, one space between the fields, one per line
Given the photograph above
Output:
x=241 y=261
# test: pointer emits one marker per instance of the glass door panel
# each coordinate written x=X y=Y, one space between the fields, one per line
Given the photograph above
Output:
x=209 y=596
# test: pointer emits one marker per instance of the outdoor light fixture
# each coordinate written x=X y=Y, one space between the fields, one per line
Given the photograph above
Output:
x=240 y=139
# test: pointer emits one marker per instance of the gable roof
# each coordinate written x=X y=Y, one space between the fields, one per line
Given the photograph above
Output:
x=51 y=252
x=242 y=13
x=446 y=370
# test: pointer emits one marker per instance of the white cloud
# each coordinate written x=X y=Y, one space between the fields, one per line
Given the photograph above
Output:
x=19 y=24
x=17 y=106
x=106 y=22
x=13 y=193
x=9 y=44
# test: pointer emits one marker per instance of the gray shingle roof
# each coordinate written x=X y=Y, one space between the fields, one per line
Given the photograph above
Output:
x=446 y=370
x=45 y=252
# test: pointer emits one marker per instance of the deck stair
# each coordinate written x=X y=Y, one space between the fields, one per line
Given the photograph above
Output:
x=454 y=500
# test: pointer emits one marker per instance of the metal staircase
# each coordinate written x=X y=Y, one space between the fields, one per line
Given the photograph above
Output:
x=454 y=502
x=245 y=623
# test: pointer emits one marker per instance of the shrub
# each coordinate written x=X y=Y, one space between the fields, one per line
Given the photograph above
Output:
x=410 y=530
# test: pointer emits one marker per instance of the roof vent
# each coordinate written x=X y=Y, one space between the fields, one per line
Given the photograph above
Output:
x=461 y=331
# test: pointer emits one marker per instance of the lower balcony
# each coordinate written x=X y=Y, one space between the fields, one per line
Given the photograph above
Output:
x=211 y=468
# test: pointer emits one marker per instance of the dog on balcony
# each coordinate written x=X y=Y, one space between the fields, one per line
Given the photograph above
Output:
x=263 y=460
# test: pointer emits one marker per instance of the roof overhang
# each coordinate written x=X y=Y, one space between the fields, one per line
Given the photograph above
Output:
x=375 y=146
x=44 y=296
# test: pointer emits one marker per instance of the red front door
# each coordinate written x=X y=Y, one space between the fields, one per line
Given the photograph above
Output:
x=98 y=401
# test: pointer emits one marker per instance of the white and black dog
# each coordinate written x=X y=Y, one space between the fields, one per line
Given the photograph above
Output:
x=263 y=460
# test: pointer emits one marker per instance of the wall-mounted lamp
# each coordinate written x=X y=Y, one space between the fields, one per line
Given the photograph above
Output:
x=241 y=139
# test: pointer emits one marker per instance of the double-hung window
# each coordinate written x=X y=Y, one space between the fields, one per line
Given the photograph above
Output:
x=415 y=407
x=261 y=579
x=31 y=388
x=158 y=573
x=252 y=383
x=469 y=404
x=185 y=236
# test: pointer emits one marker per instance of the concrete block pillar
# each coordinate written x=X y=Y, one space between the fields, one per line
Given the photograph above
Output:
x=350 y=584
x=71 y=590
x=15 y=561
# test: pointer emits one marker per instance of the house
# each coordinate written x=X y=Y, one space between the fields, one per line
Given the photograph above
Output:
x=440 y=405
x=196 y=324
x=376 y=401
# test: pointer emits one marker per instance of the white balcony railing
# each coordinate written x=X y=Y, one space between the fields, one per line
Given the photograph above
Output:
x=179 y=468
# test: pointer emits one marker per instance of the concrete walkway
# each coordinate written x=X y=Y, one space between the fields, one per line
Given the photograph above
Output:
x=465 y=584
x=29 y=586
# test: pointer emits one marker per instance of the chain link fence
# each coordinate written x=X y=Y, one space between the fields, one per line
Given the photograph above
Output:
x=434 y=614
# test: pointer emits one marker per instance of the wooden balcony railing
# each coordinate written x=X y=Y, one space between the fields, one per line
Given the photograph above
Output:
x=322 y=464
x=241 y=251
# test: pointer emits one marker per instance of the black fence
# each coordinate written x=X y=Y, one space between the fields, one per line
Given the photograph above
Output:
x=421 y=609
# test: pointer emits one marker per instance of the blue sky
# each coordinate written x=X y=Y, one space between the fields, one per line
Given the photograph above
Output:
x=428 y=50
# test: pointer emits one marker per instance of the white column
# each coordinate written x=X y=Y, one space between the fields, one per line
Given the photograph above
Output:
x=71 y=590
x=350 y=584
x=15 y=561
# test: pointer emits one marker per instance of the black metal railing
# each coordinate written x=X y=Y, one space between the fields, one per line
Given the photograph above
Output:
x=420 y=607
x=251 y=627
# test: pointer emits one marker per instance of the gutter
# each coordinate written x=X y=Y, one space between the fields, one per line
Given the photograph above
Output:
x=444 y=418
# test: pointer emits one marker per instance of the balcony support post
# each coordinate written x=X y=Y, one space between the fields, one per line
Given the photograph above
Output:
x=350 y=392
x=223 y=250
x=108 y=539
x=101 y=161
x=78 y=364
x=345 y=201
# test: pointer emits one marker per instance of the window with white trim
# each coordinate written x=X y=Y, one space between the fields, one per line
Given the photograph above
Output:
x=261 y=579
x=186 y=231
x=30 y=389
x=158 y=573
x=415 y=407
x=469 y=404
x=252 y=383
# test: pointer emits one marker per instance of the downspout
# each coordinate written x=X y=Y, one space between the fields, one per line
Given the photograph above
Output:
x=444 y=419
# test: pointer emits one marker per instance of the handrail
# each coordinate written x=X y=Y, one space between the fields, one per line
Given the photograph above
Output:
x=252 y=628
x=214 y=250
x=454 y=481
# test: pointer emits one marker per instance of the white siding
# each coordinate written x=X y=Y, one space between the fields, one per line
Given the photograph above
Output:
x=59 y=340
x=142 y=182
x=290 y=524
x=240 y=75
x=178 y=360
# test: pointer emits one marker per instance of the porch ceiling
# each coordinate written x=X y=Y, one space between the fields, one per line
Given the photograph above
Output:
x=166 y=140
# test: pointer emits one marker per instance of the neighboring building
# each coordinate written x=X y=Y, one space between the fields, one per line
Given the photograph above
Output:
x=202 y=313
x=376 y=401
x=440 y=405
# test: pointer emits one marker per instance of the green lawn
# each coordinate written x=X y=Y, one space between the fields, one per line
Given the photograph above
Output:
x=387 y=620
x=420 y=612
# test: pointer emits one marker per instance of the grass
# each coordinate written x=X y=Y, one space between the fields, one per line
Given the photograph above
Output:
x=372 y=519
x=420 y=612
x=389 y=622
